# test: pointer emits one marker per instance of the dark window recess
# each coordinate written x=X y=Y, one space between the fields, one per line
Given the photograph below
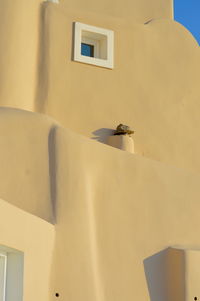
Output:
x=87 y=49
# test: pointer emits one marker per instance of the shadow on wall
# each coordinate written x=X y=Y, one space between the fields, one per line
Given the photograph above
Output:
x=43 y=60
x=102 y=134
x=156 y=272
x=52 y=170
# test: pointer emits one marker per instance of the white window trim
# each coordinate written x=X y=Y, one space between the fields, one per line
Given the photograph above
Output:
x=107 y=63
x=4 y=255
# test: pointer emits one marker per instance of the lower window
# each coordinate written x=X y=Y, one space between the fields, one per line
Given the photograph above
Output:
x=3 y=268
x=11 y=274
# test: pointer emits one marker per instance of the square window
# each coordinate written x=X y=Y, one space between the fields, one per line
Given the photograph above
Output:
x=93 y=45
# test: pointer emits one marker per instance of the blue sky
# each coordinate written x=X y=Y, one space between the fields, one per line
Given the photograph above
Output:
x=187 y=12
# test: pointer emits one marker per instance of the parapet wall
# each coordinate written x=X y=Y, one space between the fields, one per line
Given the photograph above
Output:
x=114 y=211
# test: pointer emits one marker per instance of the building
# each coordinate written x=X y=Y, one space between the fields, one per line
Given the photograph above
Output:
x=81 y=220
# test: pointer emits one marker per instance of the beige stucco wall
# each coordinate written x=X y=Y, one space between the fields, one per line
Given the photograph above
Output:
x=35 y=238
x=27 y=161
x=153 y=87
x=20 y=35
x=154 y=81
x=128 y=9
x=22 y=41
x=192 y=273
x=113 y=210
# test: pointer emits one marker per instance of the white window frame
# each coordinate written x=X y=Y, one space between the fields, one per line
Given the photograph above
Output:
x=4 y=255
x=95 y=32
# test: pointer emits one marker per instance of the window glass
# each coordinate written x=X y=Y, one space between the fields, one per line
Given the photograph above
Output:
x=87 y=49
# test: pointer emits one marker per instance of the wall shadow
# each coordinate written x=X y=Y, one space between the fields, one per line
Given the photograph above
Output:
x=156 y=272
x=102 y=134
x=52 y=170
x=43 y=60
x=73 y=36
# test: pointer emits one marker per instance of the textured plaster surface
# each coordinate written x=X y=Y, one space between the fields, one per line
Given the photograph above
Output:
x=115 y=209
x=128 y=9
x=20 y=32
x=26 y=150
x=111 y=209
x=153 y=84
x=153 y=88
